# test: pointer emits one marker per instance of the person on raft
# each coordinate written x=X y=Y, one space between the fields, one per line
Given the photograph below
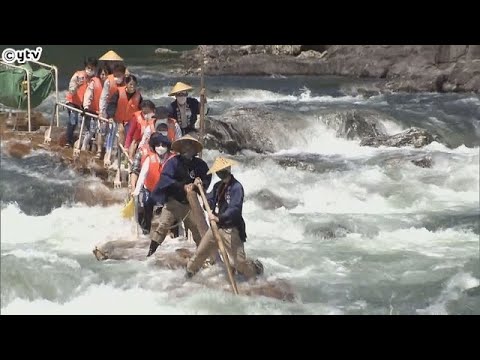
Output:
x=226 y=202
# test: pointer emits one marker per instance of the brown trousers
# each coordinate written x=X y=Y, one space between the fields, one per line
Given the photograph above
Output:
x=233 y=246
x=173 y=212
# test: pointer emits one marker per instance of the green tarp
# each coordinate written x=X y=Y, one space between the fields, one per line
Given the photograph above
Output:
x=12 y=94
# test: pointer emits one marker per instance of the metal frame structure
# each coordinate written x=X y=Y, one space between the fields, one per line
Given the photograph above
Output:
x=51 y=67
x=28 y=90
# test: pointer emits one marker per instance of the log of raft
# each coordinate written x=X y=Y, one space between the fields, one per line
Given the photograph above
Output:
x=197 y=213
x=164 y=257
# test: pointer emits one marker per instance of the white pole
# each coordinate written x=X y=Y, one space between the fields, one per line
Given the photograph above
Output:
x=28 y=102
x=56 y=94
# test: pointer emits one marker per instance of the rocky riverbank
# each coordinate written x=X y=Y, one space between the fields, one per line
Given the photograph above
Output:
x=20 y=143
x=437 y=68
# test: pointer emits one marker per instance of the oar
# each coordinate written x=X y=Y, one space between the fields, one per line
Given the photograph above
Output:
x=219 y=240
x=135 y=215
x=117 y=183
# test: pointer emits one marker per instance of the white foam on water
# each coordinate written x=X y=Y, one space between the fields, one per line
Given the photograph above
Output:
x=98 y=300
x=37 y=175
x=52 y=258
x=475 y=100
x=451 y=291
x=265 y=96
x=443 y=244
x=75 y=229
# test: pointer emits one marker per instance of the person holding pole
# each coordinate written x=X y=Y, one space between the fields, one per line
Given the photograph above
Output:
x=226 y=203
x=176 y=181
x=185 y=109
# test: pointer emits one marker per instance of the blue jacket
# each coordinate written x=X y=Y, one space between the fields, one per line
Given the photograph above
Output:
x=176 y=173
x=230 y=205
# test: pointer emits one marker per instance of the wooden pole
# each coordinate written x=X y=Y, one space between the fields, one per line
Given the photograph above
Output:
x=202 y=110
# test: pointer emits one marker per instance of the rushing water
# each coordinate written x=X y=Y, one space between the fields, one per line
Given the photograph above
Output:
x=358 y=233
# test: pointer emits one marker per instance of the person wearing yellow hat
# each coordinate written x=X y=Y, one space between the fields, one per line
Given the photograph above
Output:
x=176 y=180
x=184 y=109
x=226 y=202
x=111 y=86
x=110 y=58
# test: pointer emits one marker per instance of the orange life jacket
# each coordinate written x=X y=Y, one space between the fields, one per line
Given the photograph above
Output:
x=126 y=108
x=113 y=86
x=77 y=98
x=155 y=170
x=142 y=122
x=171 y=122
x=97 y=91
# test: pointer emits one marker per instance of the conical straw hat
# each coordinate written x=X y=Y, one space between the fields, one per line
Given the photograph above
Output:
x=221 y=163
x=179 y=87
x=178 y=144
x=111 y=56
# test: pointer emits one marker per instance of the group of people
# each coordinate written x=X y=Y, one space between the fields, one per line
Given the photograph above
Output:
x=106 y=88
x=165 y=166
x=186 y=172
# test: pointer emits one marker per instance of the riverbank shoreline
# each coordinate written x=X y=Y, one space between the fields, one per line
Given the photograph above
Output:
x=409 y=68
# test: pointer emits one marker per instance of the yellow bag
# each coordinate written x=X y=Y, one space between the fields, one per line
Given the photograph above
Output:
x=129 y=209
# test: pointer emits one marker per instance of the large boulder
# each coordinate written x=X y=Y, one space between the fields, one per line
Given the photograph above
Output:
x=355 y=124
x=267 y=200
x=251 y=128
x=259 y=129
x=415 y=137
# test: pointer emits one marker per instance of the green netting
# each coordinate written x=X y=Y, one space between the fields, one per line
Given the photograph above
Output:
x=12 y=93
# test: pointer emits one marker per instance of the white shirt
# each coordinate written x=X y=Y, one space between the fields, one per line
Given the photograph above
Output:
x=103 y=98
x=197 y=123
x=142 y=176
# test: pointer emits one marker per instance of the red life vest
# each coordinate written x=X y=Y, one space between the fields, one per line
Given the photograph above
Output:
x=171 y=122
x=97 y=91
x=125 y=107
x=154 y=170
x=77 y=98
